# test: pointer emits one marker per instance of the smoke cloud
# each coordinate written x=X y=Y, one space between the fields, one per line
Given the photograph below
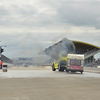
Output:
x=65 y=46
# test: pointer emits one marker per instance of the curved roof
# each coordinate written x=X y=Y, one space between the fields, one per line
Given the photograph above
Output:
x=82 y=47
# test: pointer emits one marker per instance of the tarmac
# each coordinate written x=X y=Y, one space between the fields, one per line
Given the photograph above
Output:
x=92 y=69
x=45 y=73
x=71 y=86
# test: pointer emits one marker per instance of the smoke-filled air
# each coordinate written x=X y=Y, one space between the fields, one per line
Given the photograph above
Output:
x=64 y=46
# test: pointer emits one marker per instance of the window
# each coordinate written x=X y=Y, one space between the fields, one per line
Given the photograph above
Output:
x=75 y=62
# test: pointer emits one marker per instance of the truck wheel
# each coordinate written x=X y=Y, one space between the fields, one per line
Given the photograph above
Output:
x=53 y=69
x=81 y=72
x=67 y=71
x=59 y=68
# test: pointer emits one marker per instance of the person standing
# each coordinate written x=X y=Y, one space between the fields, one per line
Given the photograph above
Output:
x=1 y=63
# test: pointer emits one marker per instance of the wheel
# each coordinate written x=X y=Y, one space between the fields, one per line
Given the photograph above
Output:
x=59 y=67
x=62 y=69
x=67 y=71
x=53 y=69
x=81 y=72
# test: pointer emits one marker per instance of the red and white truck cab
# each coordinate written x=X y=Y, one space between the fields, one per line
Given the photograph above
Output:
x=75 y=62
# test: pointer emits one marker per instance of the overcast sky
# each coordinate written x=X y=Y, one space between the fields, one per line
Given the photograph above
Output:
x=28 y=26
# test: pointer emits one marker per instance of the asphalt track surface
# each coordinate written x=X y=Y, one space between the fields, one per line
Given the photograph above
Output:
x=44 y=74
x=48 y=85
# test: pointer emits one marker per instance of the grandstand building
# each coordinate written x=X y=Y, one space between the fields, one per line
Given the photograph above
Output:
x=89 y=50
